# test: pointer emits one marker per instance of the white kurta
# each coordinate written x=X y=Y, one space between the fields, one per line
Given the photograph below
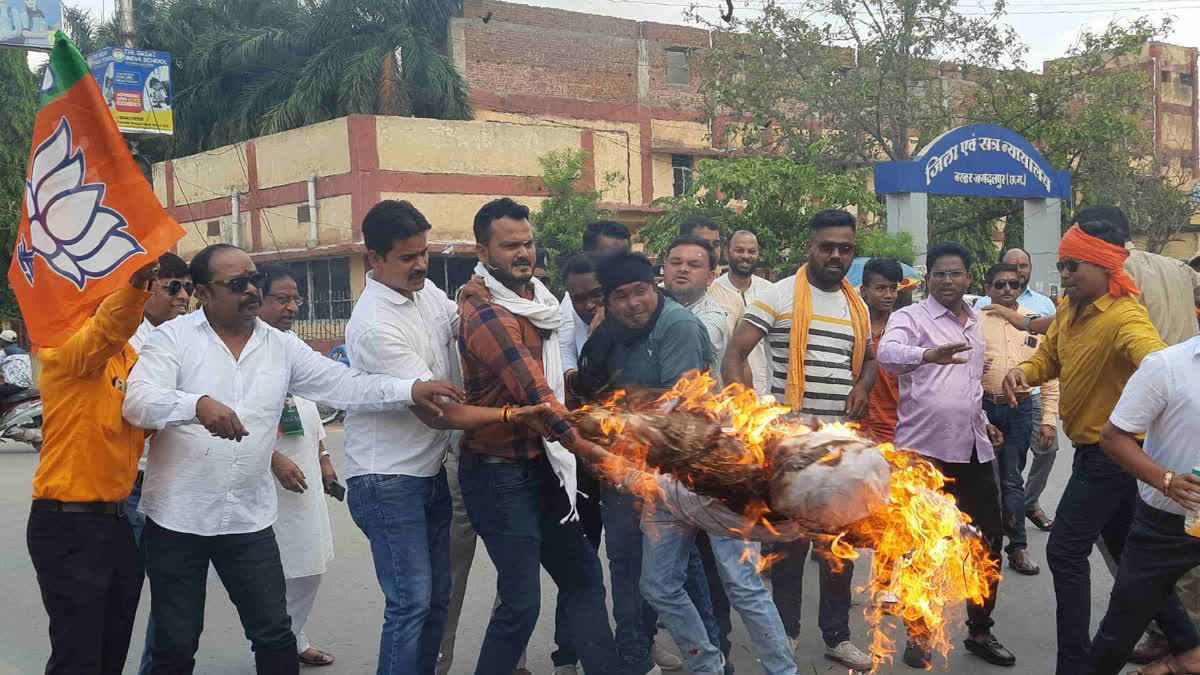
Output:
x=303 y=532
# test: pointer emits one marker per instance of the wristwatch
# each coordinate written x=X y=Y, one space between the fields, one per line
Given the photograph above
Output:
x=1167 y=478
x=324 y=453
x=1029 y=321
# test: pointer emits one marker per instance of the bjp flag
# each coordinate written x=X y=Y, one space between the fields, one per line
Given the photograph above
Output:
x=90 y=219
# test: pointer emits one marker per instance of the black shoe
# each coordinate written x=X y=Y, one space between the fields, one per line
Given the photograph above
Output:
x=1039 y=519
x=917 y=655
x=988 y=648
x=1020 y=561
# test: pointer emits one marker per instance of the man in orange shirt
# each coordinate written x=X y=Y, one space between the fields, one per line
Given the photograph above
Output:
x=79 y=539
x=880 y=287
x=1006 y=346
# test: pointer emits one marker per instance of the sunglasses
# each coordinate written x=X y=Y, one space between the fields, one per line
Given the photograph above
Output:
x=173 y=287
x=240 y=284
x=1011 y=283
x=1071 y=265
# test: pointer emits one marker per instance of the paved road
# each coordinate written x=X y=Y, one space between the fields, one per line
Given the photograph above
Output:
x=349 y=609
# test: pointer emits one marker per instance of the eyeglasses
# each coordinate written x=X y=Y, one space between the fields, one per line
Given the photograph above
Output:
x=173 y=287
x=1014 y=284
x=286 y=300
x=240 y=284
x=942 y=275
x=1071 y=265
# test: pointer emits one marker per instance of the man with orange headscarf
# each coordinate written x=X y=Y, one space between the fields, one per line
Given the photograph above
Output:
x=1097 y=340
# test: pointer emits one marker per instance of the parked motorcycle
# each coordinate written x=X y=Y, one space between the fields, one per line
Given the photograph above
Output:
x=330 y=415
x=21 y=417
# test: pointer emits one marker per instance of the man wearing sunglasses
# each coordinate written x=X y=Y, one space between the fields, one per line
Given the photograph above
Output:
x=214 y=384
x=1097 y=340
x=169 y=298
x=1006 y=346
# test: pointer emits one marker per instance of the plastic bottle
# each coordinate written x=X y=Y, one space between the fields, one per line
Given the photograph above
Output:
x=1191 y=522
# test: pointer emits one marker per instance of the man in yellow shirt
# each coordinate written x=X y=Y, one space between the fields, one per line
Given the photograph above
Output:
x=1095 y=343
x=79 y=539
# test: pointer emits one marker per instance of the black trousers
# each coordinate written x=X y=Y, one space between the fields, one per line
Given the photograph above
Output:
x=249 y=567
x=976 y=487
x=90 y=575
x=1157 y=553
x=1098 y=502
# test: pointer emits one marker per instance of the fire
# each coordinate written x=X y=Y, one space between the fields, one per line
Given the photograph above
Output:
x=925 y=552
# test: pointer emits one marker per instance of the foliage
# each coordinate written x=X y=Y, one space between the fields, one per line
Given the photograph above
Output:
x=18 y=99
x=873 y=70
x=877 y=242
x=560 y=221
x=244 y=68
x=773 y=197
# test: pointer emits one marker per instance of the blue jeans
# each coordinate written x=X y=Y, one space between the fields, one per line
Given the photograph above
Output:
x=510 y=506
x=667 y=548
x=407 y=520
x=137 y=521
x=1017 y=426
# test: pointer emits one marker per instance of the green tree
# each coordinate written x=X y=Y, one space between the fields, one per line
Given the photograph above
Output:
x=244 y=68
x=18 y=100
x=877 y=242
x=563 y=215
x=773 y=197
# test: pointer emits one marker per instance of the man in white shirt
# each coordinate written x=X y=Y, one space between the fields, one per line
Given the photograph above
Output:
x=689 y=266
x=214 y=383
x=171 y=295
x=736 y=290
x=1161 y=400
x=304 y=473
x=405 y=326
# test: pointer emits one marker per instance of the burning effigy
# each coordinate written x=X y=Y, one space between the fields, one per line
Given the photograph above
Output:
x=741 y=466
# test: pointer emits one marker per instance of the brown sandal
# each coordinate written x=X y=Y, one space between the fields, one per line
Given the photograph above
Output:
x=322 y=658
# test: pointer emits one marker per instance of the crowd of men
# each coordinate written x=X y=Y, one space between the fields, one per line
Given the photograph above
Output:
x=176 y=440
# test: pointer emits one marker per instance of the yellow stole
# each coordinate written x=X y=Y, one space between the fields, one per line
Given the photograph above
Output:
x=860 y=320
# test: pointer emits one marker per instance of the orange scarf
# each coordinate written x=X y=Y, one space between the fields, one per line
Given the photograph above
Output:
x=860 y=320
x=1082 y=246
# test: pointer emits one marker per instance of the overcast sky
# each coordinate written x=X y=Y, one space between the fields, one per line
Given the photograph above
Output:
x=1048 y=27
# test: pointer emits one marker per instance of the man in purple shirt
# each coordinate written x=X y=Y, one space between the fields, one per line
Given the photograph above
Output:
x=935 y=347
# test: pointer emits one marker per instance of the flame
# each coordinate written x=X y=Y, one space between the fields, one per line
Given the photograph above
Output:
x=925 y=551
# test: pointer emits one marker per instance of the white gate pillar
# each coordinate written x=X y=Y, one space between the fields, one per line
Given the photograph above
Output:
x=909 y=212
x=1043 y=230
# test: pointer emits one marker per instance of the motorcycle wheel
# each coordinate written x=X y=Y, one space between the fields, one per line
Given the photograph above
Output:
x=328 y=415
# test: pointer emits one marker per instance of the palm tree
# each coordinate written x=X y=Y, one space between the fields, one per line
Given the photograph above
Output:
x=243 y=68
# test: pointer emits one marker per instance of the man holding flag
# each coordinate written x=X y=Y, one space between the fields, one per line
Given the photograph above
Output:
x=90 y=233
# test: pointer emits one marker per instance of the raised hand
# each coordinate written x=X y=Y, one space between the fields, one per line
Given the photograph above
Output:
x=947 y=354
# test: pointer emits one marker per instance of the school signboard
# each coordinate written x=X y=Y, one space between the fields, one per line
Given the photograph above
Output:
x=136 y=84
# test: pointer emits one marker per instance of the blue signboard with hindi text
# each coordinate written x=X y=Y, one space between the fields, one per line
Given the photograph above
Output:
x=977 y=160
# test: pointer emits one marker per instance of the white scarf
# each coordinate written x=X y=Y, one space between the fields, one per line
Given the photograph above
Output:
x=543 y=312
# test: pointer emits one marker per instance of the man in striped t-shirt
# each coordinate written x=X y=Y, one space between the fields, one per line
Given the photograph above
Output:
x=818 y=333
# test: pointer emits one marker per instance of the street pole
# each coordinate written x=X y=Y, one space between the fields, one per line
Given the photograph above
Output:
x=128 y=34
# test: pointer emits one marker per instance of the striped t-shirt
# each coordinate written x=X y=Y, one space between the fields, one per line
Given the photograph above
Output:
x=828 y=371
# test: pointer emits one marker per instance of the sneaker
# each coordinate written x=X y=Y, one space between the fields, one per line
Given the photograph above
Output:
x=850 y=656
x=566 y=670
x=988 y=648
x=663 y=658
x=917 y=655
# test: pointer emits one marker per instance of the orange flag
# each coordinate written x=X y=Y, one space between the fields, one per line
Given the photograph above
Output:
x=90 y=219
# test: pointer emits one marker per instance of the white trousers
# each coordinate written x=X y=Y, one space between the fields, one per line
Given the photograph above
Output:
x=301 y=595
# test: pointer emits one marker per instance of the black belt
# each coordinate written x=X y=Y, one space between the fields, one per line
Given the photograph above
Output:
x=99 y=508
x=1002 y=399
x=496 y=459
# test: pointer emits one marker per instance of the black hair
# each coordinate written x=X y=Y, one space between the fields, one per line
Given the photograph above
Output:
x=947 y=249
x=580 y=263
x=493 y=211
x=274 y=273
x=1110 y=214
x=888 y=268
x=624 y=268
x=832 y=218
x=171 y=266
x=692 y=240
x=1105 y=230
x=389 y=220
x=999 y=268
x=603 y=228
x=200 y=267
x=689 y=226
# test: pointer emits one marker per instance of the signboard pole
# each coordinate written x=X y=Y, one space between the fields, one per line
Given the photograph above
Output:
x=909 y=212
x=1043 y=229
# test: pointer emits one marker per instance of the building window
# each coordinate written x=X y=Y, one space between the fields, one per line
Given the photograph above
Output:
x=681 y=172
x=1187 y=79
x=214 y=228
x=677 y=66
x=303 y=214
x=325 y=285
x=1166 y=77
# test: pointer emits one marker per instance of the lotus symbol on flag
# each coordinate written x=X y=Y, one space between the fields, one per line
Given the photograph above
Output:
x=68 y=227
